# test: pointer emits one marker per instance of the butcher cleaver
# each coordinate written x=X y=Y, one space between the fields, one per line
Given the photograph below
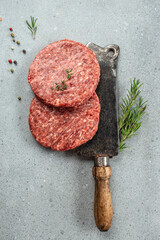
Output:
x=104 y=145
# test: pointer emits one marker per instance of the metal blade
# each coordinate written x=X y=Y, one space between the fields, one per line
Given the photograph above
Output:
x=106 y=140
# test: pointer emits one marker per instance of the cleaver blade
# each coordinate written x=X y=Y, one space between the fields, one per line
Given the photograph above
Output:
x=106 y=140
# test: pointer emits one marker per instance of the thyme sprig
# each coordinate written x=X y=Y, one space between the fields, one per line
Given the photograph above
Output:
x=132 y=109
x=32 y=27
x=63 y=85
x=69 y=74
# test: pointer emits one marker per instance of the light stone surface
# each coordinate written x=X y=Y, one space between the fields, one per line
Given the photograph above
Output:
x=47 y=195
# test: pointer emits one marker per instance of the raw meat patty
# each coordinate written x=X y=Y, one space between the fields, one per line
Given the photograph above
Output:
x=64 y=128
x=49 y=68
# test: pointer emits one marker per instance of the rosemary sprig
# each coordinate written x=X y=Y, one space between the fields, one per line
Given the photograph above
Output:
x=132 y=109
x=32 y=27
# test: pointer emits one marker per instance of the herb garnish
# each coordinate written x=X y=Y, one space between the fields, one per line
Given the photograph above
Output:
x=57 y=86
x=69 y=74
x=133 y=108
x=63 y=85
x=32 y=27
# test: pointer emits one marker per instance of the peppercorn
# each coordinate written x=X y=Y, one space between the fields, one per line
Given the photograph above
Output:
x=11 y=29
x=10 y=61
x=19 y=98
x=15 y=62
x=12 y=70
x=24 y=51
x=14 y=40
x=12 y=34
x=18 y=42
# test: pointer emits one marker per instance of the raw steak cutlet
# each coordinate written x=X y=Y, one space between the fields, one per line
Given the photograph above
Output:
x=63 y=129
x=49 y=70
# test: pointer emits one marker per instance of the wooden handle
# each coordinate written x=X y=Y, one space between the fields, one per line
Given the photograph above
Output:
x=103 y=211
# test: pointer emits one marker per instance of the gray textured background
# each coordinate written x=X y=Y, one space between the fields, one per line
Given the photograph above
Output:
x=47 y=195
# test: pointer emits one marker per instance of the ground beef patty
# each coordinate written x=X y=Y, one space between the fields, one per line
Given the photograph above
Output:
x=64 y=128
x=49 y=68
